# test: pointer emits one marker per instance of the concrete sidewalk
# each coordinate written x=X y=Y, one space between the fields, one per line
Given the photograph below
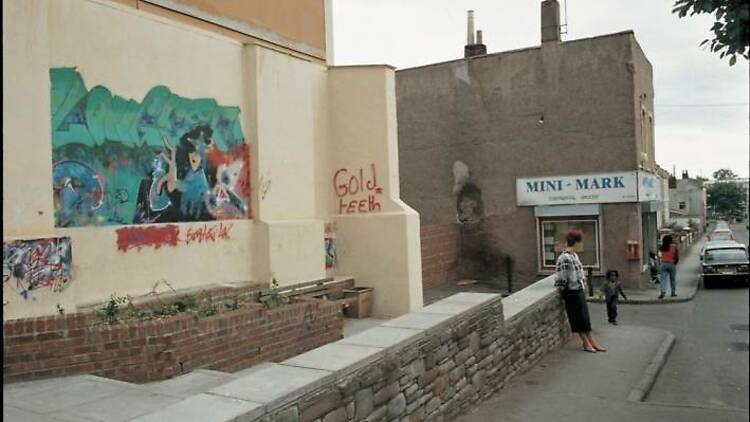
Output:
x=688 y=282
x=607 y=385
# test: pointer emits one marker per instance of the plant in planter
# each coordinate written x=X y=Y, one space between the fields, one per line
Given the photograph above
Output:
x=274 y=298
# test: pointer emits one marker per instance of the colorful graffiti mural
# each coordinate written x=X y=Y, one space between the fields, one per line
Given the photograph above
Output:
x=35 y=264
x=165 y=159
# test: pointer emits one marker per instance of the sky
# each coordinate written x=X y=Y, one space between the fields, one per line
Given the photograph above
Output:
x=701 y=113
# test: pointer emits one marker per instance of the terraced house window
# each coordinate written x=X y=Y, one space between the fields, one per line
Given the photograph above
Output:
x=552 y=241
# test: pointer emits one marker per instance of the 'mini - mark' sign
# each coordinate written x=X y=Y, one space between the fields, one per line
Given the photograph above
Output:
x=580 y=189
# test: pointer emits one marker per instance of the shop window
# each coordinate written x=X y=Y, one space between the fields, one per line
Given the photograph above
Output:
x=553 y=241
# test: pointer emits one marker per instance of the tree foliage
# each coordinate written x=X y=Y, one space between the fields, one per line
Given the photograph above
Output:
x=724 y=174
x=726 y=198
x=731 y=29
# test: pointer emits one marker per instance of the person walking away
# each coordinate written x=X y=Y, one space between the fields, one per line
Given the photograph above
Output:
x=612 y=289
x=670 y=256
x=570 y=280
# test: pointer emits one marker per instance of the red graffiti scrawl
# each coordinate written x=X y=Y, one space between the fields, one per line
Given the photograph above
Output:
x=138 y=237
x=209 y=234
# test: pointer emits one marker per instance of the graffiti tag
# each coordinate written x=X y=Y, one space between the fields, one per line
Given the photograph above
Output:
x=37 y=263
x=169 y=235
x=138 y=237
x=357 y=193
x=208 y=234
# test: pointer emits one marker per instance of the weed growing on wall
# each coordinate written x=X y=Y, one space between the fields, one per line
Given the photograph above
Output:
x=119 y=309
x=275 y=298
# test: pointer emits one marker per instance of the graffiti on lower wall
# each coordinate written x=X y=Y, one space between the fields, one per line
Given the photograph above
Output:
x=30 y=265
x=357 y=190
x=329 y=242
x=165 y=159
x=169 y=235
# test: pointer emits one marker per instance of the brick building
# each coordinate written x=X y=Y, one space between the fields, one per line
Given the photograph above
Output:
x=502 y=153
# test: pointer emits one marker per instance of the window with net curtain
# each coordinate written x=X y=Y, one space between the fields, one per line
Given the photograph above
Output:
x=553 y=241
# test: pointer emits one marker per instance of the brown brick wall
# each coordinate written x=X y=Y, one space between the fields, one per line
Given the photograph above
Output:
x=440 y=249
x=54 y=346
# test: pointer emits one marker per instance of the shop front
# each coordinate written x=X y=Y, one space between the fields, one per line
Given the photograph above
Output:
x=616 y=212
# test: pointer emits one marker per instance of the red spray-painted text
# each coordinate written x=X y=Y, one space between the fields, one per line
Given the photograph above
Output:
x=357 y=192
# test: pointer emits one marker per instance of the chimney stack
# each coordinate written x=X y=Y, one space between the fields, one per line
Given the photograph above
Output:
x=473 y=48
x=550 y=21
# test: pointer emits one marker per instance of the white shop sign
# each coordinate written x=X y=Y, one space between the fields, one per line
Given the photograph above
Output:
x=578 y=189
x=649 y=187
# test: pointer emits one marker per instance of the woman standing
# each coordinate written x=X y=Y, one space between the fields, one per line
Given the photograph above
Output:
x=570 y=281
x=670 y=255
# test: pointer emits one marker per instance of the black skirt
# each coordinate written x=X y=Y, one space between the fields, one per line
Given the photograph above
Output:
x=577 y=310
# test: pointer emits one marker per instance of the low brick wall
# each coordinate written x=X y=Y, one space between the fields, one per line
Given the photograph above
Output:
x=55 y=346
x=440 y=250
x=426 y=365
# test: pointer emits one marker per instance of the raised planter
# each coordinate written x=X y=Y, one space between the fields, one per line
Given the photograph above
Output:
x=153 y=350
x=361 y=306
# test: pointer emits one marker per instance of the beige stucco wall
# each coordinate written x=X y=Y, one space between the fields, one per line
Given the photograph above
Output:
x=382 y=248
x=301 y=120
x=27 y=155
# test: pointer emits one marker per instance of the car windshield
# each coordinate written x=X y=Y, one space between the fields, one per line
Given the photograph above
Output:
x=725 y=255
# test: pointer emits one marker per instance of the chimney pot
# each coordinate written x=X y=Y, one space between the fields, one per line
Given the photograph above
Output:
x=473 y=48
x=470 y=28
x=550 y=21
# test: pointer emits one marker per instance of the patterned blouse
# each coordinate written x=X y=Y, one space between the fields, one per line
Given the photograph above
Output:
x=569 y=272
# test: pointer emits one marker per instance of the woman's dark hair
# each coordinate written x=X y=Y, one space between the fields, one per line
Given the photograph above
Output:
x=612 y=273
x=573 y=236
x=187 y=144
x=666 y=242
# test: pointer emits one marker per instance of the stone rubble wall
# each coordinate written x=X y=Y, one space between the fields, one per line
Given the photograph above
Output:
x=456 y=364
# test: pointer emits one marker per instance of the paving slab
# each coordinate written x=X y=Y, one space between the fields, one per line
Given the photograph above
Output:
x=522 y=299
x=472 y=297
x=418 y=321
x=116 y=408
x=190 y=384
x=206 y=408
x=383 y=337
x=354 y=326
x=273 y=383
x=447 y=307
x=34 y=388
x=71 y=395
x=250 y=370
x=335 y=357
x=14 y=414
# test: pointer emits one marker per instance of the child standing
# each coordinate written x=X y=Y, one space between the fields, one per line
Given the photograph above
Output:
x=611 y=289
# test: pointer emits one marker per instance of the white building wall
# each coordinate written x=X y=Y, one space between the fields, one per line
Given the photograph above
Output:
x=303 y=122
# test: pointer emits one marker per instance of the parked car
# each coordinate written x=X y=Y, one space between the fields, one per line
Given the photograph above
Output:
x=725 y=261
x=714 y=243
x=721 y=234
